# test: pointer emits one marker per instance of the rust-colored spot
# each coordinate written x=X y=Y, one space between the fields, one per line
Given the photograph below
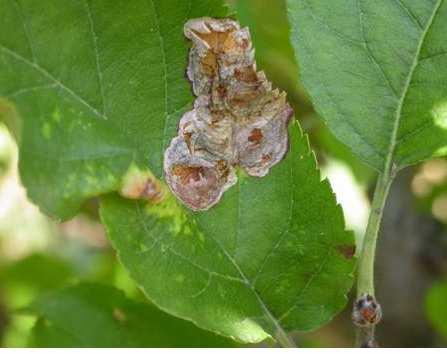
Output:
x=148 y=189
x=369 y=314
x=245 y=43
x=187 y=137
x=188 y=173
x=222 y=90
x=256 y=136
x=367 y=311
x=246 y=74
x=209 y=64
x=152 y=191
x=139 y=184
x=217 y=41
x=266 y=158
x=347 y=251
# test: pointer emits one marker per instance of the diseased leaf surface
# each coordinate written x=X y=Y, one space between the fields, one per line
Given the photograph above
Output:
x=376 y=72
x=273 y=253
x=99 y=84
x=93 y=315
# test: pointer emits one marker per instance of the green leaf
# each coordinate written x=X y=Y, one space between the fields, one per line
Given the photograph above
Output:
x=272 y=255
x=98 y=84
x=436 y=307
x=376 y=72
x=22 y=281
x=330 y=146
x=93 y=315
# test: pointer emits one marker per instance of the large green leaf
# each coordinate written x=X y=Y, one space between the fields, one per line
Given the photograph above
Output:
x=98 y=84
x=376 y=72
x=272 y=255
x=93 y=315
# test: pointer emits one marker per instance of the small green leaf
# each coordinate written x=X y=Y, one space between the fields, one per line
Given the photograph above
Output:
x=272 y=255
x=93 y=315
x=98 y=84
x=436 y=307
x=376 y=72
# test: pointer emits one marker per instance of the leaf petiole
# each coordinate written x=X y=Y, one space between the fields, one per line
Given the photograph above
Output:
x=365 y=272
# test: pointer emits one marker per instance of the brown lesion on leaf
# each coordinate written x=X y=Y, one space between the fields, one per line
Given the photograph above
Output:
x=238 y=120
x=256 y=136
x=347 y=251
x=246 y=74
x=189 y=173
x=266 y=158
x=142 y=184
x=219 y=42
x=209 y=64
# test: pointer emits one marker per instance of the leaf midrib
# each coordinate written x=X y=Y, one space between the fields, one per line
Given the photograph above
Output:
x=389 y=162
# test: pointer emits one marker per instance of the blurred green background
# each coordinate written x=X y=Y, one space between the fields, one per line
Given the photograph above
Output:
x=38 y=255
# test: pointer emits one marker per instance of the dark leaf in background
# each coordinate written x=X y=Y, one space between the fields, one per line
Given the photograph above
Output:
x=93 y=315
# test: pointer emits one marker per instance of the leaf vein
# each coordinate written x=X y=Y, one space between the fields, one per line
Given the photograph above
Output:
x=398 y=116
x=329 y=28
x=164 y=73
x=409 y=13
x=95 y=46
x=177 y=254
x=25 y=29
x=47 y=75
x=369 y=52
x=280 y=239
x=317 y=273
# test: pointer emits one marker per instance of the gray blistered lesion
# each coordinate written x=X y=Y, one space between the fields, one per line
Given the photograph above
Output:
x=237 y=119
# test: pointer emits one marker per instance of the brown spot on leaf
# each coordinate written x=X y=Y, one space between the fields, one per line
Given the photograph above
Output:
x=266 y=158
x=346 y=251
x=138 y=184
x=188 y=173
x=256 y=136
x=217 y=41
x=247 y=74
x=209 y=64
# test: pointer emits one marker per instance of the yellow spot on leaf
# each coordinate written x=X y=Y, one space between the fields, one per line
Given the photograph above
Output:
x=56 y=115
x=46 y=130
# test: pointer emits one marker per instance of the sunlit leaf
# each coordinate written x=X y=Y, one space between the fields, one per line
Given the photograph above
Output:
x=272 y=255
x=100 y=87
x=98 y=84
x=376 y=72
